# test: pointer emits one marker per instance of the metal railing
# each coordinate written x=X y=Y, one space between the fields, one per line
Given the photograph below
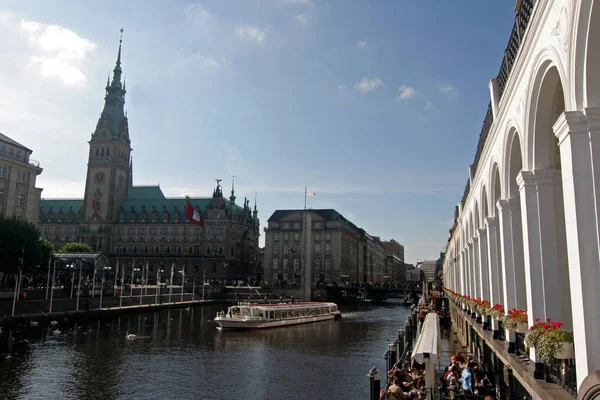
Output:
x=563 y=374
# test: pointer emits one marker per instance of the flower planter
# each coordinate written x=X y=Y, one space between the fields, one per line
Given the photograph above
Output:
x=567 y=352
x=522 y=327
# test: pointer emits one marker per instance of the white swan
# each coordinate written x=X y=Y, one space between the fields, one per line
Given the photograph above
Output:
x=130 y=336
x=53 y=323
x=33 y=323
x=56 y=332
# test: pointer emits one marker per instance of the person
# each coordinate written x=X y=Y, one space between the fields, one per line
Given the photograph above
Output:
x=395 y=391
x=467 y=379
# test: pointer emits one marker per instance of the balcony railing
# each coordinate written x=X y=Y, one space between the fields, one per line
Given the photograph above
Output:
x=34 y=163
x=510 y=54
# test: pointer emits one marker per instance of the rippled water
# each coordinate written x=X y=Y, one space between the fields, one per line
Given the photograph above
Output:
x=180 y=354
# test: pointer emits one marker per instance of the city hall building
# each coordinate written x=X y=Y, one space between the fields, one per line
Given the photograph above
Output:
x=139 y=225
x=526 y=232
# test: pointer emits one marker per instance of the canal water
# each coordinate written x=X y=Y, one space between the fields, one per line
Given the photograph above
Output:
x=180 y=354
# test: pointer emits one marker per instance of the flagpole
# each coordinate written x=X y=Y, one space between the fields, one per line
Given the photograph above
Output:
x=171 y=283
x=203 y=283
x=79 y=286
x=194 y=288
x=101 y=284
x=115 y=286
x=304 y=198
x=142 y=290
x=94 y=281
x=52 y=288
x=17 y=282
x=122 y=286
x=182 y=281
x=157 y=286
x=48 y=280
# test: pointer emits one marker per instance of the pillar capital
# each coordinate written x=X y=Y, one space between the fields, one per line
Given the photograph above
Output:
x=490 y=222
x=525 y=178
x=593 y=117
x=570 y=122
x=547 y=176
x=482 y=232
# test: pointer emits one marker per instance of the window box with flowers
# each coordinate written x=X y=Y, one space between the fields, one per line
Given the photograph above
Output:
x=516 y=321
x=497 y=312
x=551 y=341
x=484 y=307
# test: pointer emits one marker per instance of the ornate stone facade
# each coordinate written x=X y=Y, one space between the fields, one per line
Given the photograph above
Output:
x=139 y=225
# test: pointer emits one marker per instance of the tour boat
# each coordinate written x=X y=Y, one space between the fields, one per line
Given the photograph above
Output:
x=261 y=316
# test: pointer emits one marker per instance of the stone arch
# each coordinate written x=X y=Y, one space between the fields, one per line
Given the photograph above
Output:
x=477 y=221
x=485 y=207
x=495 y=188
x=584 y=55
x=547 y=77
x=546 y=221
x=513 y=163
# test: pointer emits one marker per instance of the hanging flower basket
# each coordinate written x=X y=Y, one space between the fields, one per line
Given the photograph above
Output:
x=550 y=341
x=497 y=312
x=484 y=307
x=566 y=352
x=516 y=321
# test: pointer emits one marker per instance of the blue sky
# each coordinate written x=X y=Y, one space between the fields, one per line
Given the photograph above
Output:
x=374 y=105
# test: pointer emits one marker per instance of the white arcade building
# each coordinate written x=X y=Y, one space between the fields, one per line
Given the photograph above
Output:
x=527 y=230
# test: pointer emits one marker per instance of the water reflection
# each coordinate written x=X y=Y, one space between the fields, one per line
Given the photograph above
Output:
x=181 y=354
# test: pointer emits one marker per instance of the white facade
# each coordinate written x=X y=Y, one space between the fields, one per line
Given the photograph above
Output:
x=526 y=233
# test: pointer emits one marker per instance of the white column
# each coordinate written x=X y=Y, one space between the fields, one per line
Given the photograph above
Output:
x=553 y=246
x=477 y=264
x=517 y=238
x=462 y=266
x=494 y=277
x=581 y=226
x=483 y=266
x=534 y=278
x=471 y=273
x=508 y=267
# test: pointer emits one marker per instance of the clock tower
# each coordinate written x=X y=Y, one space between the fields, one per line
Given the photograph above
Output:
x=107 y=180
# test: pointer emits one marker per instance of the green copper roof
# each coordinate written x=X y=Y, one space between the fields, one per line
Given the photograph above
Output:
x=145 y=192
x=6 y=139
x=54 y=205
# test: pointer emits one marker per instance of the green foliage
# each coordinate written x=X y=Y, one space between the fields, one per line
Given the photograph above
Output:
x=18 y=238
x=76 y=247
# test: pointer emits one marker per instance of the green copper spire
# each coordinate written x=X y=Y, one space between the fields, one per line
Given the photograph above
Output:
x=114 y=101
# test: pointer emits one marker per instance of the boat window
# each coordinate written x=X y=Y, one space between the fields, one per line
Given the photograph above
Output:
x=312 y=311
x=277 y=314
x=284 y=313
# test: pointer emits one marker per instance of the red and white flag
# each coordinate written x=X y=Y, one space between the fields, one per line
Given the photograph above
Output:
x=192 y=214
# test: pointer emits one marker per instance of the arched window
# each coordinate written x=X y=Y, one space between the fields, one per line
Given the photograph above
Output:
x=107 y=151
x=97 y=152
x=102 y=152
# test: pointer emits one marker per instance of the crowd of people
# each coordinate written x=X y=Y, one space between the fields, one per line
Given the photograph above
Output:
x=462 y=379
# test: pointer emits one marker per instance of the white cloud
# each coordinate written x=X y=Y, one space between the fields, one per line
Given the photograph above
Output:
x=449 y=89
x=362 y=44
x=56 y=52
x=406 y=92
x=428 y=105
x=368 y=84
x=342 y=88
x=252 y=33
x=302 y=18
x=304 y=2
x=198 y=14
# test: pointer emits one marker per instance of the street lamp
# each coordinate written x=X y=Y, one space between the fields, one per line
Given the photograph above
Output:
x=158 y=282
x=133 y=271
x=182 y=272
x=102 y=283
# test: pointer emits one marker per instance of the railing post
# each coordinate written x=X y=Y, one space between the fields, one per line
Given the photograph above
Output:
x=392 y=352
x=375 y=384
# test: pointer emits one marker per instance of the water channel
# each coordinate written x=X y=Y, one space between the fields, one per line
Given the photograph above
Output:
x=180 y=354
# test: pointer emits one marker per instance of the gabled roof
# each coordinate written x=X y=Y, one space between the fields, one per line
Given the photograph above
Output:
x=145 y=192
x=6 y=139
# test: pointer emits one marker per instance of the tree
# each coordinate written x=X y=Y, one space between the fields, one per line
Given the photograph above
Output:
x=18 y=238
x=76 y=247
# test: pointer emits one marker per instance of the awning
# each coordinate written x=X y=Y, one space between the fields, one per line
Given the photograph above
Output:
x=428 y=349
x=98 y=260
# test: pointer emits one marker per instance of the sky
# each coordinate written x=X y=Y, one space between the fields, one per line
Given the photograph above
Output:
x=376 y=106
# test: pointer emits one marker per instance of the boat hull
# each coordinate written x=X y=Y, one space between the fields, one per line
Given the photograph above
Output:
x=242 y=323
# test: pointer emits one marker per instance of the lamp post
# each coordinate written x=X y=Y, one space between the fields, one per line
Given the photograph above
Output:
x=102 y=283
x=158 y=281
x=133 y=271
x=78 y=286
x=48 y=280
x=72 y=266
x=182 y=272
x=52 y=288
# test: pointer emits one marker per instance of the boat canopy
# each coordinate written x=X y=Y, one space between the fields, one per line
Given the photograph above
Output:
x=428 y=349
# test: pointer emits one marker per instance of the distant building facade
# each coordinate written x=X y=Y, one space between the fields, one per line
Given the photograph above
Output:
x=327 y=248
x=139 y=225
x=395 y=248
x=430 y=269
x=395 y=271
x=19 y=197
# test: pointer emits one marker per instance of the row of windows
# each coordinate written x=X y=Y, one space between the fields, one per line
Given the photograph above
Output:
x=11 y=151
x=59 y=231
x=132 y=249
x=153 y=231
x=21 y=175
x=19 y=198
x=100 y=151
x=287 y=249
x=285 y=277
x=317 y=236
x=296 y=262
